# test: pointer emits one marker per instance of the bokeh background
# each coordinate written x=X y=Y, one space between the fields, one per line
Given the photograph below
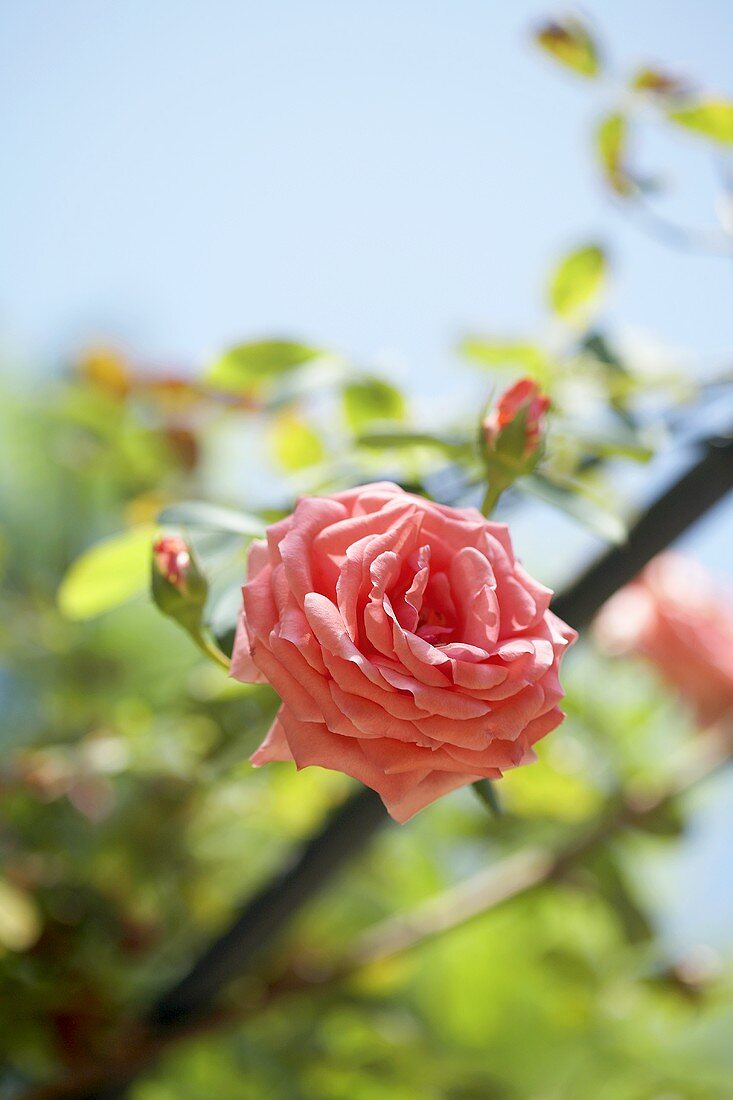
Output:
x=379 y=179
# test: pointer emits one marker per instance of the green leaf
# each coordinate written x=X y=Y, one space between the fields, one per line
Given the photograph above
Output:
x=20 y=922
x=404 y=437
x=569 y=42
x=247 y=367
x=486 y=793
x=577 y=281
x=712 y=118
x=620 y=441
x=197 y=513
x=489 y=352
x=611 y=137
x=371 y=399
x=597 y=345
x=108 y=574
x=295 y=444
x=573 y=502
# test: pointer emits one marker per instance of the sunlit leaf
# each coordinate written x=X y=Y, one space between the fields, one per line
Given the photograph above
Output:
x=295 y=444
x=712 y=118
x=589 y=513
x=367 y=400
x=526 y=356
x=577 y=281
x=108 y=574
x=657 y=82
x=388 y=438
x=197 y=513
x=20 y=923
x=247 y=367
x=618 y=440
x=611 y=137
x=107 y=369
x=569 y=42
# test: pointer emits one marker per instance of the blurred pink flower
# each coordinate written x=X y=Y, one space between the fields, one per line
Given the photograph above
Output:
x=681 y=619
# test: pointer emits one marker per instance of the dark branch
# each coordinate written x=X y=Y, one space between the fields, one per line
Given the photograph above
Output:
x=684 y=502
x=264 y=916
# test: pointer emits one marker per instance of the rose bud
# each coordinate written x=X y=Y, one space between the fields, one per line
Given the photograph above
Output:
x=408 y=646
x=512 y=431
x=179 y=587
x=172 y=559
x=681 y=620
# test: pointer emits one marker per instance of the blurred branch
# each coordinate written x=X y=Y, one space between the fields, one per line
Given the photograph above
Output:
x=668 y=517
x=263 y=916
x=262 y=920
x=528 y=869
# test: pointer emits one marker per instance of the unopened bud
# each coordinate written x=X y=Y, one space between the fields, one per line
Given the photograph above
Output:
x=172 y=560
x=512 y=432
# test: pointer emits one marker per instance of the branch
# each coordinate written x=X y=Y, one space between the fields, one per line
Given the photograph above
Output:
x=525 y=870
x=268 y=912
x=683 y=503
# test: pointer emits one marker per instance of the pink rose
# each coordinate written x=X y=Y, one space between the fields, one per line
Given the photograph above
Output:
x=681 y=619
x=408 y=646
x=523 y=395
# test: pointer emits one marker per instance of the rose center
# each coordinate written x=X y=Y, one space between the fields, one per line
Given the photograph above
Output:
x=433 y=625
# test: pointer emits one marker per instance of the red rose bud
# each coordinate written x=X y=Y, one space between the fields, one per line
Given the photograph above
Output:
x=523 y=405
x=178 y=585
x=172 y=560
x=179 y=589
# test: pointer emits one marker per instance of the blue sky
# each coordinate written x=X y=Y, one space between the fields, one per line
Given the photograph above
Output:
x=377 y=177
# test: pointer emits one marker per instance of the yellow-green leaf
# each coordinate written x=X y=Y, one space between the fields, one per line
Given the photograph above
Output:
x=108 y=574
x=611 y=138
x=247 y=367
x=489 y=352
x=577 y=281
x=370 y=400
x=657 y=82
x=20 y=923
x=570 y=43
x=295 y=444
x=713 y=118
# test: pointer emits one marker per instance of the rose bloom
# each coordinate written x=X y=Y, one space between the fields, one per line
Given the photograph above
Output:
x=681 y=619
x=408 y=646
x=523 y=394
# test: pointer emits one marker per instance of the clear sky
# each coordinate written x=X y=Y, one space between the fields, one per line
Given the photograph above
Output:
x=375 y=176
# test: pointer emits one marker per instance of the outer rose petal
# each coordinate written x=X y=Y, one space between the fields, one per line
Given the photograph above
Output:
x=410 y=649
x=242 y=666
